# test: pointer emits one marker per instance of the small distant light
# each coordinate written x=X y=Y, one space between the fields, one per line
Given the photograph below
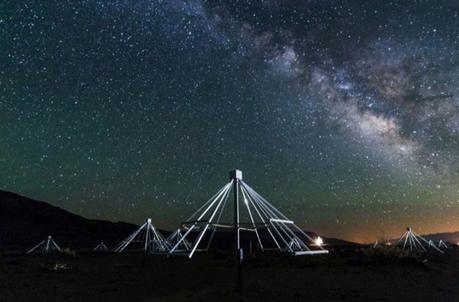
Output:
x=318 y=241
x=388 y=243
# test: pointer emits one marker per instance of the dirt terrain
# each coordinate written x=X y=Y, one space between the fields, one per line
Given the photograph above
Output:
x=354 y=276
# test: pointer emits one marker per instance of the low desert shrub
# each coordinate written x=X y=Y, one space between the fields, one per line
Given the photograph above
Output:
x=68 y=252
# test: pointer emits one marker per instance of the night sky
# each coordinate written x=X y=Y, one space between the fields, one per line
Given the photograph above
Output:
x=343 y=114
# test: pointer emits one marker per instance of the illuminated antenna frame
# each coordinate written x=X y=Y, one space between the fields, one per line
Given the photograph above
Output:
x=46 y=247
x=151 y=240
x=283 y=233
x=176 y=237
x=416 y=243
x=101 y=247
x=442 y=244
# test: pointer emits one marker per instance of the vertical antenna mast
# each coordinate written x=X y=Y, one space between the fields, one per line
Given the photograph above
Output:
x=236 y=176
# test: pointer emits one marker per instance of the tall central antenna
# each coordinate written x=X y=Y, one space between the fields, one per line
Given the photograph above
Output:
x=253 y=214
x=236 y=176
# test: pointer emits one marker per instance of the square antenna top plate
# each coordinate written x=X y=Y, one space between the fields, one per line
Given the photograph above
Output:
x=235 y=174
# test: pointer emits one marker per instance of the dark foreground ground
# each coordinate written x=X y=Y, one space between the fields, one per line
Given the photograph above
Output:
x=348 y=276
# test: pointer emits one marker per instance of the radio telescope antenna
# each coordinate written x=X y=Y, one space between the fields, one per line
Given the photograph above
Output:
x=272 y=229
x=415 y=243
x=147 y=239
x=442 y=244
x=101 y=247
x=46 y=247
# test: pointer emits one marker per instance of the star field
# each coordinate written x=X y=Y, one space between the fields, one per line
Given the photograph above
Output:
x=344 y=114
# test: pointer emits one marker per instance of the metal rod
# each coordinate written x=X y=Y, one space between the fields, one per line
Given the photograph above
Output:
x=267 y=212
x=281 y=220
x=147 y=239
x=406 y=239
x=261 y=217
x=198 y=240
x=251 y=217
x=35 y=247
x=201 y=216
x=271 y=208
x=215 y=225
x=237 y=243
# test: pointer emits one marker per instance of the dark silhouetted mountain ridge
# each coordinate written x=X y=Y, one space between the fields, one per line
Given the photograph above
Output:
x=24 y=221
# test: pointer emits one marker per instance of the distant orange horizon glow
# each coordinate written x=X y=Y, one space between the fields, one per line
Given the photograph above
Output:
x=370 y=237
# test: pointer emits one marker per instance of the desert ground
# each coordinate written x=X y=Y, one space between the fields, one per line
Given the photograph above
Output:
x=360 y=275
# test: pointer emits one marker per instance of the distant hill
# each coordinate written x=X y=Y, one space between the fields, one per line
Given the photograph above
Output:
x=24 y=222
x=451 y=237
x=335 y=242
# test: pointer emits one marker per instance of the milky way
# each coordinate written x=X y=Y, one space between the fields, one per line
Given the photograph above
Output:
x=344 y=114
